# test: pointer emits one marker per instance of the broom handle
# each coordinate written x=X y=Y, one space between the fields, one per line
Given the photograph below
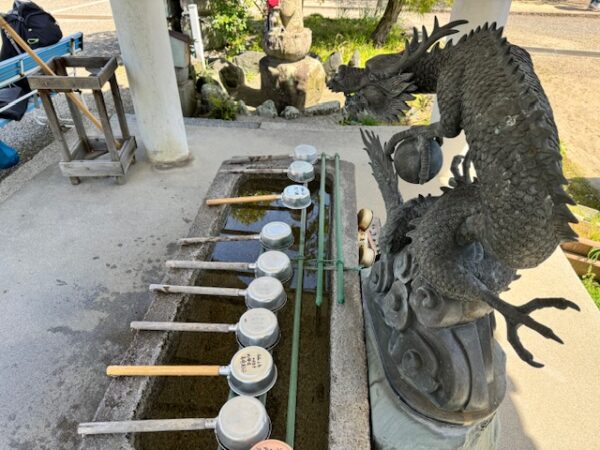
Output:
x=48 y=71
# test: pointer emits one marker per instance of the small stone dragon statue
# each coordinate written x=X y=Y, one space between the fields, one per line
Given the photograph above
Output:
x=445 y=259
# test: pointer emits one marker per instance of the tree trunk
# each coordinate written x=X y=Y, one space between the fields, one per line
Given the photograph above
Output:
x=381 y=4
x=389 y=18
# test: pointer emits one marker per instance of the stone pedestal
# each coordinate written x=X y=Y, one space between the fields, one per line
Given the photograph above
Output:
x=299 y=84
x=395 y=426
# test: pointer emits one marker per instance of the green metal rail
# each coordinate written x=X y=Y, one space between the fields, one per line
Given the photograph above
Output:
x=290 y=430
x=321 y=236
x=338 y=234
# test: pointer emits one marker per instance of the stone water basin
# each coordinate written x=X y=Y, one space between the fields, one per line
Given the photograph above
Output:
x=332 y=404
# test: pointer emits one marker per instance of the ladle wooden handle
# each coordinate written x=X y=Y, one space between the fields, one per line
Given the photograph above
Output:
x=183 y=326
x=207 y=265
x=141 y=426
x=256 y=158
x=163 y=371
x=256 y=171
x=205 y=240
x=250 y=199
x=197 y=290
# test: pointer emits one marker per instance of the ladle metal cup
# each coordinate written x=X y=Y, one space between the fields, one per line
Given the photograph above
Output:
x=298 y=171
x=272 y=263
x=251 y=371
x=294 y=196
x=262 y=292
x=256 y=326
x=271 y=444
x=242 y=422
x=273 y=236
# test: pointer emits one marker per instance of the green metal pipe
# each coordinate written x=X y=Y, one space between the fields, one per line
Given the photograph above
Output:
x=321 y=236
x=290 y=430
x=338 y=234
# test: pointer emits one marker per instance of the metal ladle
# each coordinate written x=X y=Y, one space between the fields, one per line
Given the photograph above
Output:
x=298 y=171
x=272 y=263
x=251 y=371
x=242 y=422
x=294 y=196
x=273 y=236
x=262 y=292
x=256 y=326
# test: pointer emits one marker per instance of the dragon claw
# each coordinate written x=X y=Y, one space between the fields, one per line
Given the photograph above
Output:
x=517 y=316
x=523 y=353
x=455 y=168
x=520 y=315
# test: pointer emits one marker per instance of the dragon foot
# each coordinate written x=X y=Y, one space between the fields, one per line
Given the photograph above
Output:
x=427 y=132
x=516 y=316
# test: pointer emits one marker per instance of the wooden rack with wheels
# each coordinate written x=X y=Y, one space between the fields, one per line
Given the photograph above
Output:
x=82 y=157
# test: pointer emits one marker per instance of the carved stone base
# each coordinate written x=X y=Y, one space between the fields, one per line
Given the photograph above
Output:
x=299 y=84
x=287 y=45
x=447 y=368
x=394 y=426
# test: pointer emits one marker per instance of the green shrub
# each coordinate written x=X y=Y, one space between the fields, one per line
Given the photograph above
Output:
x=346 y=35
x=223 y=108
x=589 y=279
x=230 y=19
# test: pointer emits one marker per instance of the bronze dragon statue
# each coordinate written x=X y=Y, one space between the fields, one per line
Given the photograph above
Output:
x=445 y=259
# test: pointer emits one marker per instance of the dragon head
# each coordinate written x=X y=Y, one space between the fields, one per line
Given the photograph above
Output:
x=367 y=95
x=384 y=86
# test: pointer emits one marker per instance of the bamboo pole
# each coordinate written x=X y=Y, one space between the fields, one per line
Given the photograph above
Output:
x=321 y=234
x=290 y=428
x=48 y=71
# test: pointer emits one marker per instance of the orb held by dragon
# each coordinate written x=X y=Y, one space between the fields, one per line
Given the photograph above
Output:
x=432 y=295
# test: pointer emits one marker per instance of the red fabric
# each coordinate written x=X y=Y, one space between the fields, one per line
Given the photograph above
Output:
x=273 y=3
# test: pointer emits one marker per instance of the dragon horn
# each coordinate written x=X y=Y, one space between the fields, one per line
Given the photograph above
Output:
x=410 y=55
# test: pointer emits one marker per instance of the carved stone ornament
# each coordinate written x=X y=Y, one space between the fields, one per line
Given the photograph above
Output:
x=432 y=295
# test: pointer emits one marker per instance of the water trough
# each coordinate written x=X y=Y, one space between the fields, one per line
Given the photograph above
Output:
x=332 y=409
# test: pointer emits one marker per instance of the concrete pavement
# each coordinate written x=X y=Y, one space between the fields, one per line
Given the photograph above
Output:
x=76 y=262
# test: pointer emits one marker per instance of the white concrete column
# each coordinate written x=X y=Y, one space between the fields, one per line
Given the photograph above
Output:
x=477 y=12
x=146 y=51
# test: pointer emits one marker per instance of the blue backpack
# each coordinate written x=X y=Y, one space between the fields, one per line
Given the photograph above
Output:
x=8 y=156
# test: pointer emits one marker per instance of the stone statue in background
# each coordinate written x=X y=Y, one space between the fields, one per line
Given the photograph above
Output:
x=285 y=36
x=288 y=76
x=432 y=295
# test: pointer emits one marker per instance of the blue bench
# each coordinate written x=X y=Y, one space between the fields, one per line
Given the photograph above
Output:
x=19 y=67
